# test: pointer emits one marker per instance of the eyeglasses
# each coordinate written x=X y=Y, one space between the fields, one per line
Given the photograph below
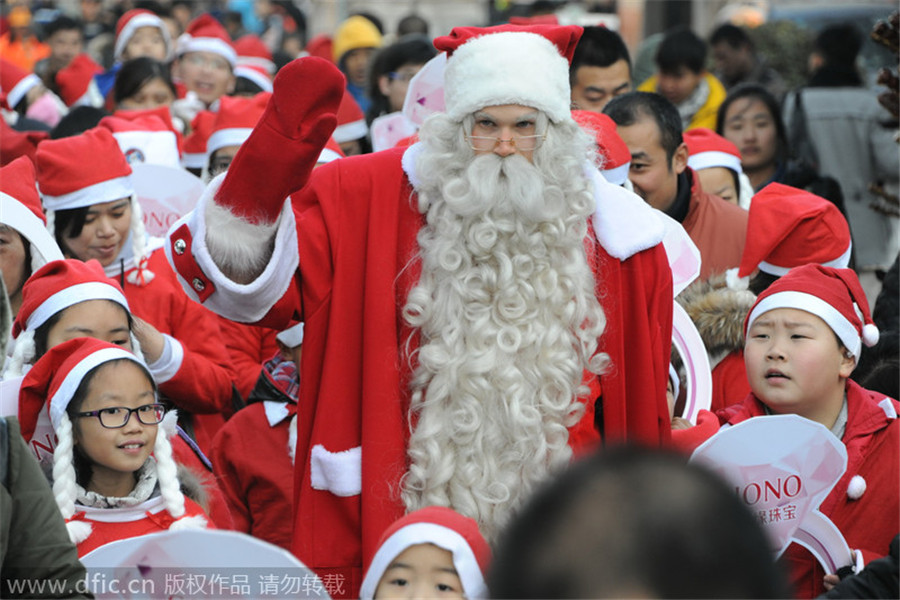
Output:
x=214 y=63
x=116 y=417
x=402 y=77
x=525 y=143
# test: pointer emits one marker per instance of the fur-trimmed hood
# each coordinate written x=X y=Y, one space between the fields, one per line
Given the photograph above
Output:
x=718 y=312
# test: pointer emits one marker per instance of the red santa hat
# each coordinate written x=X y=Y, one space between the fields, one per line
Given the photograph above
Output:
x=444 y=528
x=256 y=74
x=145 y=136
x=16 y=144
x=76 y=83
x=709 y=149
x=194 y=146
x=206 y=34
x=789 y=227
x=321 y=45
x=508 y=64
x=833 y=295
x=66 y=181
x=60 y=284
x=234 y=121
x=351 y=123
x=614 y=153
x=252 y=51
x=53 y=288
x=133 y=20
x=15 y=82
x=20 y=208
x=50 y=386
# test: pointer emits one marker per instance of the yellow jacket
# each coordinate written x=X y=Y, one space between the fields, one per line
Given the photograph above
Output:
x=706 y=116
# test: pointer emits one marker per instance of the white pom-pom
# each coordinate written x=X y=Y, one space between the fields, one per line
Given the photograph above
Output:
x=78 y=531
x=870 y=334
x=856 y=488
x=734 y=282
x=195 y=522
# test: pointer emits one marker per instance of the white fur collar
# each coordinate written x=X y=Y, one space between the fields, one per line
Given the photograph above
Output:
x=623 y=222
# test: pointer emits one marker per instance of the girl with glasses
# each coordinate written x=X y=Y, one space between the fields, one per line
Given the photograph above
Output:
x=113 y=475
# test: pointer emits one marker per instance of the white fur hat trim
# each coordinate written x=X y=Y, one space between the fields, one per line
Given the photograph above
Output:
x=512 y=67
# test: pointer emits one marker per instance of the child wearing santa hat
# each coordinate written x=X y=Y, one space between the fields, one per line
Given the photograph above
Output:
x=717 y=162
x=70 y=298
x=804 y=336
x=93 y=211
x=139 y=33
x=429 y=553
x=204 y=64
x=113 y=472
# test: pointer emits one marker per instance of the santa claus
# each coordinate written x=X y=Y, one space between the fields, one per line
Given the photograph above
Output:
x=465 y=300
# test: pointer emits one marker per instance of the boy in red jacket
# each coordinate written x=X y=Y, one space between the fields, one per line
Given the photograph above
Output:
x=803 y=339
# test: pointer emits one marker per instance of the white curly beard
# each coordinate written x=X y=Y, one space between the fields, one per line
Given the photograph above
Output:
x=508 y=321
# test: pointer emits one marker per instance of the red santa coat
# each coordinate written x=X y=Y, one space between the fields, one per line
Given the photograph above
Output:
x=352 y=233
x=717 y=227
x=252 y=463
x=112 y=524
x=202 y=384
x=872 y=439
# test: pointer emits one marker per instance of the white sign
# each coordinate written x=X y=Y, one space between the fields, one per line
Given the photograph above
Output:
x=200 y=563
x=782 y=467
x=165 y=193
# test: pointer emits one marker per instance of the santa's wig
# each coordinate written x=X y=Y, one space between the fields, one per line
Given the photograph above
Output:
x=507 y=317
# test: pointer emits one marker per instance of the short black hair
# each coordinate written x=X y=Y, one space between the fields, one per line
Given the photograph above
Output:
x=62 y=23
x=632 y=107
x=732 y=35
x=77 y=121
x=412 y=24
x=681 y=48
x=839 y=45
x=599 y=47
x=629 y=521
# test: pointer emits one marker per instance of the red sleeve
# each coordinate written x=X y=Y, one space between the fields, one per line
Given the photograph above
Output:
x=249 y=346
x=687 y=440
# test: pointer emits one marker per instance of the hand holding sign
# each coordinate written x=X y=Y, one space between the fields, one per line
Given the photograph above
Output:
x=783 y=467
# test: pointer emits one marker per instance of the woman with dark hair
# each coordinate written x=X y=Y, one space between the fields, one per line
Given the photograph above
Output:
x=750 y=117
x=391 y=71
x=143 y=83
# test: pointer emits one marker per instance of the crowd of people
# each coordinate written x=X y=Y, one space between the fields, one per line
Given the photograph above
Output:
x=379 y=342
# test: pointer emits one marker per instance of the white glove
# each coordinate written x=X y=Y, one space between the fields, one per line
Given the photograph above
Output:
x=187 y=108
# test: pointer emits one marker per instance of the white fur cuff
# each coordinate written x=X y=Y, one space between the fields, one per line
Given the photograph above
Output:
x=337 y=472
x=169 y=362
x=242 y=246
